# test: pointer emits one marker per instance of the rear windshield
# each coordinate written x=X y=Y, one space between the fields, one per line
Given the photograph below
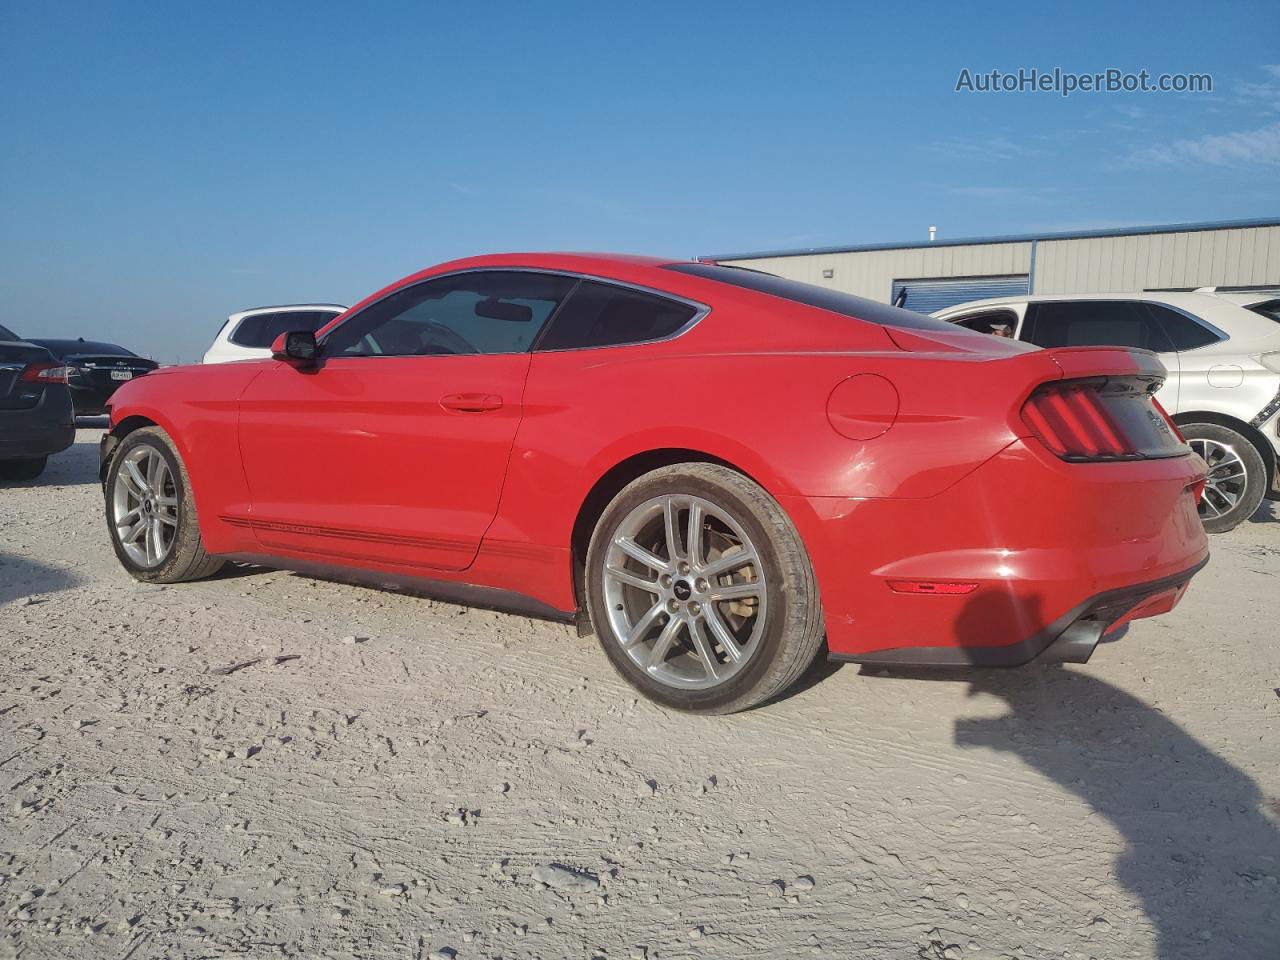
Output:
x=845 y=304
x=1269 y=309
x=64 y=348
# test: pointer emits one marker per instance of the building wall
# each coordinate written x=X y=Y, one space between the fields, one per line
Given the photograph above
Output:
x=870 y=273
x=1200 y=258
x=1203 y=258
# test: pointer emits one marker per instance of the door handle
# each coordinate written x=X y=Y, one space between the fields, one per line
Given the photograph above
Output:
x=471 y=402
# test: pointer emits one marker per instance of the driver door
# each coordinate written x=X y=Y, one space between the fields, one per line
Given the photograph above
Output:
x=394 y=448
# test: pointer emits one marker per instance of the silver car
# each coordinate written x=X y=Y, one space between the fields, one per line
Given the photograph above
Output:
x=1222 y=351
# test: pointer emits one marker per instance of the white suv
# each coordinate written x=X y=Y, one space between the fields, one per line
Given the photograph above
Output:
x=248 y=335
x=1223 y=356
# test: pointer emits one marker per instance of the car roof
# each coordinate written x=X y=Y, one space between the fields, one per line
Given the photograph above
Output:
x=1192 y=302
x=1245 y=298
x=628 y=268
x=250 y=311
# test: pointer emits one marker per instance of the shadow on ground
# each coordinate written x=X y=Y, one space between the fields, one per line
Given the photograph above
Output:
x=21 y=577
x=1202 y=850
x=1266 y=513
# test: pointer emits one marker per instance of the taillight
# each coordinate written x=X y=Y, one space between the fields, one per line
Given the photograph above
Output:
x=45 y=373
x=1103 y=418
x=1072 y=422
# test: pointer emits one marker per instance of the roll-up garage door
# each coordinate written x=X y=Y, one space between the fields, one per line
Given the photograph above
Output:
x=926 y=296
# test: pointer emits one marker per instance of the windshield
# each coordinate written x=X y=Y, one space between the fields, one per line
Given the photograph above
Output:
x=1268 y=308
x=810 y=295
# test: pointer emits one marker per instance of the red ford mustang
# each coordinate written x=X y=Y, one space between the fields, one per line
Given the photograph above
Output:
x=714 y=469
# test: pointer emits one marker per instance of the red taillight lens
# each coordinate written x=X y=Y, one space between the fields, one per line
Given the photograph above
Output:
x=1072 y=421
x=45 y=373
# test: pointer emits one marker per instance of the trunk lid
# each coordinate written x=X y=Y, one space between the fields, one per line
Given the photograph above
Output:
x=106 y=371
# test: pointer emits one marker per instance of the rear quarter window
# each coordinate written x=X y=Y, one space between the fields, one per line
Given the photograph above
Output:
x=1183 y=331
x=604 y=315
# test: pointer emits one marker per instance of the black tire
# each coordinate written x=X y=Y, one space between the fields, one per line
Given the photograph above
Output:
x=792 y=631
x=27 y=468
x=1213 y=438
x=187 y=558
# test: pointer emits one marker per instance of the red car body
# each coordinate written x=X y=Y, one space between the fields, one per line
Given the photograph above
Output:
x=941 y=527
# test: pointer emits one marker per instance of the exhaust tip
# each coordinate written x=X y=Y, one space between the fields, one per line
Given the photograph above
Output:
x=1076 y=644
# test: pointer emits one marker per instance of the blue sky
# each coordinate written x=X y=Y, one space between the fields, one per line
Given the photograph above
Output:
x=166 y=164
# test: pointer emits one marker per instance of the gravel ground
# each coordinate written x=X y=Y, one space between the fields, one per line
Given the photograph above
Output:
x=265 y=765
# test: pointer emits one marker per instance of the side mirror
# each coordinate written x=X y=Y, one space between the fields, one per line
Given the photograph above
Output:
x=297 y=347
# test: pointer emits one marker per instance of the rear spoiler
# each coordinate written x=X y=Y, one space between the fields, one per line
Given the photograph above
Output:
x=1107 y=362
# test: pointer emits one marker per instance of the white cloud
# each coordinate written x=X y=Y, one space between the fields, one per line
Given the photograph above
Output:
x=986 y=148
x=1237 y=148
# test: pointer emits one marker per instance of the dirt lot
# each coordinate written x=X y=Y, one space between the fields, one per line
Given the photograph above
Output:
x=401 y=794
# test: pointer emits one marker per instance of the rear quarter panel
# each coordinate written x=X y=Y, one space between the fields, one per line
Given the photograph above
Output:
x=764 y=413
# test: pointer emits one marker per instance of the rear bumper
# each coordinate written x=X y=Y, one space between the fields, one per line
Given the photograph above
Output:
x=47 y=428
x=1057 y=554
x=92 y=399
x=1070 y=639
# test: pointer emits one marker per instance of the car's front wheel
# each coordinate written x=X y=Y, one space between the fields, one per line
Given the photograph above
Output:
x=151 y=513
x=1237 y=478
x=700 y=590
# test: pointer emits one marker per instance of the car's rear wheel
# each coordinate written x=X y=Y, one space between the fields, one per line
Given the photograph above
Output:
x=28 y=468
x=1237 y=479
x=151 y=513
x=700 y=590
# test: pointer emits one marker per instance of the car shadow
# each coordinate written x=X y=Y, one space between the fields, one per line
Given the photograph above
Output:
x=22 y=578
x=1266 y=513
x=1201 y=844
x=1201 y=847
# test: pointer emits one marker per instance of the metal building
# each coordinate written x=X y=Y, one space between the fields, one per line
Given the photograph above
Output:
x=1229 y=254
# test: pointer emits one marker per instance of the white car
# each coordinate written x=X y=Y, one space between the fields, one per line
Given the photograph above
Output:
x=248 y=335
x=1222 y=351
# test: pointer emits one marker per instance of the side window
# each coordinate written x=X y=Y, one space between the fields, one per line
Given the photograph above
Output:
x=1001 y=323
x=1183 y=332
x=467 y=313
x=261 y=329
x=604 y=315
x=1087 y=323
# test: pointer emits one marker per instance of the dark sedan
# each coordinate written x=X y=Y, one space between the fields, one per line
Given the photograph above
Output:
x=35 y=407
x=95 y=369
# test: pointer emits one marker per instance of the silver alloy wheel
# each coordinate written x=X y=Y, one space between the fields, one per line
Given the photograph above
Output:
x=144 y=506
x=686 y=594
x=1227 y=479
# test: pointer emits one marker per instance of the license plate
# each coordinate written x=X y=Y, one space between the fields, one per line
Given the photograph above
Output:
x=121 y=374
